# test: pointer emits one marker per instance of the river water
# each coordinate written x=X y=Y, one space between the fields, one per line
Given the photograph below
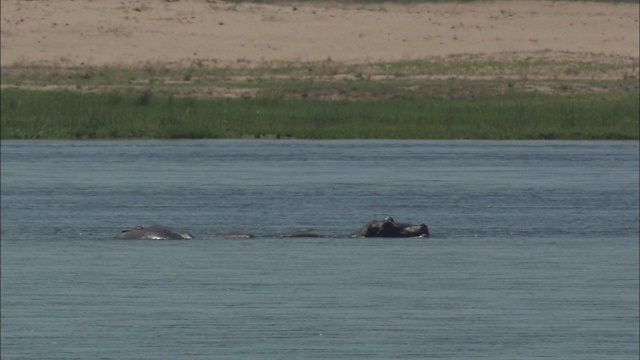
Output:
x=533 y=254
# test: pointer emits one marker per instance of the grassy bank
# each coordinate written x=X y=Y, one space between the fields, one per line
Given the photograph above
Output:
x=519 y=96
x=27 y=114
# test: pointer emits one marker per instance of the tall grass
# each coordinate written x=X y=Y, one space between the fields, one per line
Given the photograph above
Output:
x=28 y=114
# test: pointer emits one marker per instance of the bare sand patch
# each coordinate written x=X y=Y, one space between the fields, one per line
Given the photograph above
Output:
x=69 y=33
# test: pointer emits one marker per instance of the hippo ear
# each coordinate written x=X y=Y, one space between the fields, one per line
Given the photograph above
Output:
x=389 y=218
x=138 y=227
x=387 y=225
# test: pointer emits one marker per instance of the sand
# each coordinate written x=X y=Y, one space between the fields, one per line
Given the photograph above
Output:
x=135 y=32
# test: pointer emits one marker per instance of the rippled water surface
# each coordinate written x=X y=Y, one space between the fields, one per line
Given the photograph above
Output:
x=533 y=255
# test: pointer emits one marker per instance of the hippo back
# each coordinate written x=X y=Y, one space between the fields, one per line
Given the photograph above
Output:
x=154 y=232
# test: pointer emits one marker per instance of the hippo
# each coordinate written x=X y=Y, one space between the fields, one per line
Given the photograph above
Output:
x=389 y=228
x=154 y=232
x=374 y=228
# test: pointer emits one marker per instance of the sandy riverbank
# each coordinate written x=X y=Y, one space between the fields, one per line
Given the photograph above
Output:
x=134 y=32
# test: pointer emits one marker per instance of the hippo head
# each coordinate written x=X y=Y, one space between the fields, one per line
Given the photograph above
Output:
x=390 y=228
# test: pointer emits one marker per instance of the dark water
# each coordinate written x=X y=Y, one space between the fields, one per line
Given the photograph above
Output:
x=534 y=253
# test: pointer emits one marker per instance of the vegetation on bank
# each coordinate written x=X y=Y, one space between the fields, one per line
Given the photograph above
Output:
x=28 y=114
x=515 y=96
x=518 y=70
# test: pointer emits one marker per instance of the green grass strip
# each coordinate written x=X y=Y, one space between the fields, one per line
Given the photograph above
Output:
x=26 y=114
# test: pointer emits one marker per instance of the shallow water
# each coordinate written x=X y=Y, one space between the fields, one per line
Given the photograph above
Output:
x=534 y=250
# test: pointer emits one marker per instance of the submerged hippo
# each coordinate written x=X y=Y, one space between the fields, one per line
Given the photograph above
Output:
x=235 y=235
x=297 y=234
x=154 y=232
x=389 y=228
x=374 y=228
x=291 y=234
